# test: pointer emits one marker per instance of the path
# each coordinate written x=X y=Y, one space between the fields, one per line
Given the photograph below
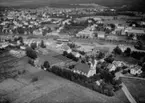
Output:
x=133 y=77
x=127 y=93
x=124 y=88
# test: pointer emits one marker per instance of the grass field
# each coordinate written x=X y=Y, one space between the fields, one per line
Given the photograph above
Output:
x=129 y=60
x=49 y=88
x=62 y=58
x=120 y=94
x=136 y=88
x=7 y=66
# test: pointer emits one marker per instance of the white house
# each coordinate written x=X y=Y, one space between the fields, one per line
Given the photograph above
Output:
x=101 y=35
x=136 y=70
x=111 y=67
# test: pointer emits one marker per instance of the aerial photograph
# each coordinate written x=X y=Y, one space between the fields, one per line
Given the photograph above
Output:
x=72 y=51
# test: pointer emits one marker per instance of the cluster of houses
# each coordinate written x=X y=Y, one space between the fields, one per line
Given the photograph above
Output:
x=89 y=68
x=26 y=22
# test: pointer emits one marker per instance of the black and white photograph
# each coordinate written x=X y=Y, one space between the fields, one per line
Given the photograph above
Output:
x=72 y=51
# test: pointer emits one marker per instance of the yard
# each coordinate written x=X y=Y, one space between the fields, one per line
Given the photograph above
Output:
x=129 y=60
x=136 y=88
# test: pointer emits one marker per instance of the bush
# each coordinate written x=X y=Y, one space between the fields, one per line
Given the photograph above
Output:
x=33 y=46
x=109 y=59
x=137 y=55
x=31 y=53
x=42 y=45
x=82 y=80
x=127 y=52
x=101 y=55
x=46 y=65
x=65 y=53
x=117 y=50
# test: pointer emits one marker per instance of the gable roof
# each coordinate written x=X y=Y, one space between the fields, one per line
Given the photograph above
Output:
x=82 y=67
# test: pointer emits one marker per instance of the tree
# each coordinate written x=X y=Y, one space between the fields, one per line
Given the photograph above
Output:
x=46 y=65
x=109 y=59
x=138 y=45
x=143 y=68
x=107 y=76
x=127 y=52
x=33 y=46
x=31 y=53
x=117 y=50
x=42 y=45
x=112 y=26
x=100 y=55
x=65 y=53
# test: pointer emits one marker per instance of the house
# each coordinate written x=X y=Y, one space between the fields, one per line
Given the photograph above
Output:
x=111 y=67
x=22 y=47
x=118 y=63
x=76 y=54
x=69 y=51
x=88 y=32
x=84 y=69
x=135 y=70
x=98 y=82
x=101 y=35
x=135 y=32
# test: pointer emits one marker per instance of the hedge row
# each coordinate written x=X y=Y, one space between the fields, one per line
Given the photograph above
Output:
x=80 y=79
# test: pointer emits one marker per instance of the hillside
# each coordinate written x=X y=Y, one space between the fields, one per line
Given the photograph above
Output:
x=131 y=4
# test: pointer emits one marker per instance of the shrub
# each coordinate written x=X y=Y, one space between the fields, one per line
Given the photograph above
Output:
x=109 y=59
x=33 y=46
x=31 y=53
x=127 y=52
x=101 y=55
x=42 y=45
x=117 y=50
x=83 y=80
x=65 y=53
x=46 y=65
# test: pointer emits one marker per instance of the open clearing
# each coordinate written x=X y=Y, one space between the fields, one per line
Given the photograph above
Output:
x=136 y=88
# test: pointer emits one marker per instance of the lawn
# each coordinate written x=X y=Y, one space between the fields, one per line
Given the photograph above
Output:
x=61 y=57
x=136 y=88
x=120 y=94
x=129 y=60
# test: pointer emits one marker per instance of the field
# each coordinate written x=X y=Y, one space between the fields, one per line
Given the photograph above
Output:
x=8 y=65
x=136 y=88
x=48 y=88
x=38 y=86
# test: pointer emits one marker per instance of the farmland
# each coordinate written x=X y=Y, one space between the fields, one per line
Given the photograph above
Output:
x=7 y=64
x=48 y=88
x=136 y=88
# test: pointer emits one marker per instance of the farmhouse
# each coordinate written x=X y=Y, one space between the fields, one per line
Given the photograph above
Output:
x=101 y=35
x=135 y=32
x=111 y=67
x=135 y=70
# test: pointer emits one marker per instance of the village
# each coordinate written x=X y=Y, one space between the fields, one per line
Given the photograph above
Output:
x=93 y=51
